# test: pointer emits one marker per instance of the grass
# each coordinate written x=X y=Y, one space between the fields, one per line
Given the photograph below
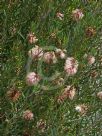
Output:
x=18 y=18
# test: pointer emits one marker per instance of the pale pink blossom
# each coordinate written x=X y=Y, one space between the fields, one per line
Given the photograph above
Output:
x=28 y=115
x=91 y=60
x=77 y=14
x=32 y=78
x=36 y=52
x=49 y=57
x=61 y=53
x=32 y=38
x=60 y=15
x=71 y=66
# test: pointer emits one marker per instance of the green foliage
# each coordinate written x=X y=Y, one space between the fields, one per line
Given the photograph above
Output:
x=18 y=18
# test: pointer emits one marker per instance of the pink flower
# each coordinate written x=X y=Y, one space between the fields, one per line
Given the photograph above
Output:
x=28 y=115
x=32 y=79
x=35 y=53
x=32 y=38
x=77 y=14
x=71 y=66
x=49 y=57
x=91 y=60
x=60 y=15
x=61 y=53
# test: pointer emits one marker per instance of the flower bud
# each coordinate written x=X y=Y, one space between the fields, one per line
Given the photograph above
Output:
x=99 y=95
x=77 y=14
x=60 y=15
x=91 y=60
x=32 y=38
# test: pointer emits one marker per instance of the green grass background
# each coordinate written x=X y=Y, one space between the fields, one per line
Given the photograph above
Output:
x=39 y=16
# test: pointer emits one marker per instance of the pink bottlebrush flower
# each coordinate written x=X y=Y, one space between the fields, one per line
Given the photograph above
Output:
x=91 y=60
x=28 y=115
x=69 y=93
x=71 y=66
x=82 y=109
x=49 y=57
x=32 y=38
x=60 y=15
x=99 y=95
x=35 y=53
x=32 y=78
x=61 y=53
x=77 y=14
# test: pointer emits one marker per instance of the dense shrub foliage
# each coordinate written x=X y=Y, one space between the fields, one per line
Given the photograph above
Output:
x=51 y=72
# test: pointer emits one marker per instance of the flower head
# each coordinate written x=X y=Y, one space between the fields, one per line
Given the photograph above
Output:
x=49 y=57
x=69 y=93
x=32 y=38
x=28 y=115
x=77 y=14
x=60 y=15
x=32 y=78
x=35 y=53
x=71 y=66
x=61 y=53
x=13 y=94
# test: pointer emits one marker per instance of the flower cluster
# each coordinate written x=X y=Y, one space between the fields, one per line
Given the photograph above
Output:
x=70 y=67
